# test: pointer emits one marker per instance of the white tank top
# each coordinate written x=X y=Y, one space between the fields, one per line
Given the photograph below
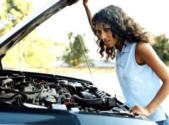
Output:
x=139 y=83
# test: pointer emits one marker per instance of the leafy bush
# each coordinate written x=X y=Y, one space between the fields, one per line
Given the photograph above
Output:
x=76 y=54
x=161 y=47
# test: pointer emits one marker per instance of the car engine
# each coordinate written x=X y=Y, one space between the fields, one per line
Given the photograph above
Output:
x=29 y=91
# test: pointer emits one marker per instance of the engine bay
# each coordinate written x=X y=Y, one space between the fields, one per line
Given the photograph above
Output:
x=52 y=92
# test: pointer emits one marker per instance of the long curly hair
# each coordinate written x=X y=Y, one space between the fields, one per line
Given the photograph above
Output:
x=121 y=25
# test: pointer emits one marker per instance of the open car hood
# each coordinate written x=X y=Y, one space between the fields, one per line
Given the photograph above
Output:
x=37 y=98
x=29 y=24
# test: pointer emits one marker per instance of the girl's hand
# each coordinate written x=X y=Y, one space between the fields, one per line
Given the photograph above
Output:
x=85 y=1
x=140 y=111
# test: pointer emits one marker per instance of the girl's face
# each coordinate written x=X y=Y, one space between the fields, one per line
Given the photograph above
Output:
x=103 y=31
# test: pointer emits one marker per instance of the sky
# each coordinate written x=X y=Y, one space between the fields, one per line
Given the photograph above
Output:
x=150 y=14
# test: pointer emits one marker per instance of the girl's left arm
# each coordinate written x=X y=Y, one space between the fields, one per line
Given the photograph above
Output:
x=147 y=54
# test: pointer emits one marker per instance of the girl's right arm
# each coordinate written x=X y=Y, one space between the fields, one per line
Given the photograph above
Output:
x=89 y=15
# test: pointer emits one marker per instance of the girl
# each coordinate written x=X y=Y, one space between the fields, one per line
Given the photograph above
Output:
x=143 y=77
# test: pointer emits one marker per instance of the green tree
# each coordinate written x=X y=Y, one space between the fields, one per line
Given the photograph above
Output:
x=77 y=53
x=161 y=47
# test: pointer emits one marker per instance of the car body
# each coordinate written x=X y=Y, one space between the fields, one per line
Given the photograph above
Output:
x=39 y=98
